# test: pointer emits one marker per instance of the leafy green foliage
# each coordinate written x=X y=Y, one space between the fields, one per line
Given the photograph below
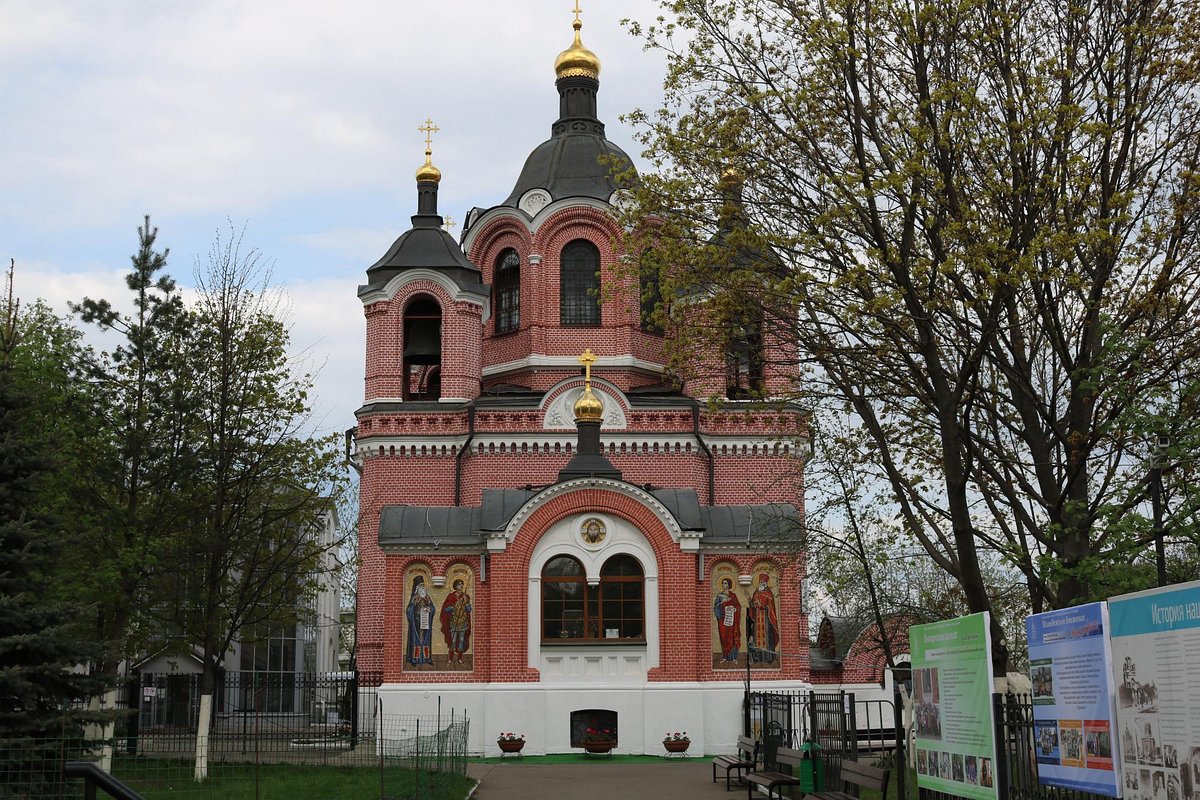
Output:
x=41 y=642
x=982 y=220
x=207 y=506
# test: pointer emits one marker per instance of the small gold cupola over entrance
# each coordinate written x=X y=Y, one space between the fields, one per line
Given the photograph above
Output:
x=588 y=408
x=589 y=460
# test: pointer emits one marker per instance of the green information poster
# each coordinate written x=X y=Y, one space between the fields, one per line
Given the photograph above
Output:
x=952 y=703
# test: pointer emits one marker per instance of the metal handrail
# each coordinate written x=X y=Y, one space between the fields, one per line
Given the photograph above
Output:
x=96 y=778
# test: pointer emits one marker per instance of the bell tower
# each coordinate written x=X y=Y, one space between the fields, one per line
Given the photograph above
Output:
x=423 y=294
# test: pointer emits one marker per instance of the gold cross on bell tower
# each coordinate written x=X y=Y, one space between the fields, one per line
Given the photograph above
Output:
x=578 y=11
x=588 y=358
x=429 y=129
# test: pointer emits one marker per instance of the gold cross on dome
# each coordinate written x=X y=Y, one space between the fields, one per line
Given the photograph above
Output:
x=429 y=129
x=587 y=359
x=578 y=10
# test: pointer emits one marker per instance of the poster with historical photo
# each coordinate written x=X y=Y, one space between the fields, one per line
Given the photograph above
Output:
x=952 y=696
x=1070 y=666
x=1155 y=649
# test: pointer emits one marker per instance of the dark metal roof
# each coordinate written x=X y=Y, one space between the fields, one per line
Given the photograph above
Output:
x=428 y=247
x=753 y=526
x=684 y=505
x=417 y=526
x=499 y=506
x=571 y=165
x=835 y=637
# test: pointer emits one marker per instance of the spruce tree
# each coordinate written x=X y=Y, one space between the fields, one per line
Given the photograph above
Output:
x=43 y=654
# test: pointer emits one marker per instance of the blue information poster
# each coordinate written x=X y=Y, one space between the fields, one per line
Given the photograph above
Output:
x=1156 y=650
x=1070 y=664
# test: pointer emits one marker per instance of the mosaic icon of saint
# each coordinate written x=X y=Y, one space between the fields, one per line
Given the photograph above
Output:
x=420 y=613
x=456 y=622
x=728 y=611
x=762 y=624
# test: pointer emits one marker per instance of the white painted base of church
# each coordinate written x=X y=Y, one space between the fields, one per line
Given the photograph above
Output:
x=711 y=713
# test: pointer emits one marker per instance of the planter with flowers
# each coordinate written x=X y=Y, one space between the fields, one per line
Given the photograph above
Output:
x=510 y=742
x=676 y=742
x=599 y=740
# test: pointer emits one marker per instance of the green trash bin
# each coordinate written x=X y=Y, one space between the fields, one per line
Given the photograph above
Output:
x=812 y=768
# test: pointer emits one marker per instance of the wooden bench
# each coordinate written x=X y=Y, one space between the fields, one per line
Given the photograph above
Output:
x=859 y=774
x=745 y=760
x=771 y=781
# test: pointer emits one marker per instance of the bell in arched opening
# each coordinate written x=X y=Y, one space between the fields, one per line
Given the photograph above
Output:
x=422 y=349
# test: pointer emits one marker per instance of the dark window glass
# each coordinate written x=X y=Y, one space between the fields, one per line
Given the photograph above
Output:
x=579 y=284
x=744 y=356
x=508 y=291
x=574 y=611
x=651 y=297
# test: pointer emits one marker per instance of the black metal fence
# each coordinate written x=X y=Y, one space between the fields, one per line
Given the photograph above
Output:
x=834 y=726
x=294 y=735
x=404 y=757
x=872 y=730
x=291 y=702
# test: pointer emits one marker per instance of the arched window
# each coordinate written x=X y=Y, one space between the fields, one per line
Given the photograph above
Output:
x=613 y=611
x=507 y=300
x=579 y=284
x=744 y=355
x=650 y=294
x=422 y=367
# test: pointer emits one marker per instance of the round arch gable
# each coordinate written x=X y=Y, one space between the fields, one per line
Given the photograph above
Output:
x=541 y=528
x=626 y=539
x=584 y=494
x=430 y=281
x=557 y=402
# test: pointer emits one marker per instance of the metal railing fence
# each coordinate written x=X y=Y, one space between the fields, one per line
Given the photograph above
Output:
x=402 y=757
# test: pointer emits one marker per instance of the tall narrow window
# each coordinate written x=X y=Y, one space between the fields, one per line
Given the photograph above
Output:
x=508 y=291
x=579 y=284
x=422 y=366
x=744 y=359
x=651 y=297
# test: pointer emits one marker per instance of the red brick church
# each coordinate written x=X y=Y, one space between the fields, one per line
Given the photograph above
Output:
x=554 y=534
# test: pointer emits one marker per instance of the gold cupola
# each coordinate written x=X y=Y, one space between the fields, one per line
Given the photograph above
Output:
x=427 y=171
x=589 y=407
x=577 y=61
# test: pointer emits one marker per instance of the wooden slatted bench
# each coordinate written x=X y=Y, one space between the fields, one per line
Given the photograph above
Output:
x=771 y=781
x=859 y=774
x=745 y=760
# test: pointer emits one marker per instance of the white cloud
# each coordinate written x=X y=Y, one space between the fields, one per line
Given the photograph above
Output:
x=282 y=113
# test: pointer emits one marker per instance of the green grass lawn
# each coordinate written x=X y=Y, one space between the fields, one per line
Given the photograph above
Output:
x=158 y=779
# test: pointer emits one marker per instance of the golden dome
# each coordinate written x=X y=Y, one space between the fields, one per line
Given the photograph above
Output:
x=732 y=176
x=427 y=171
x=589 y=408
x=577 y=61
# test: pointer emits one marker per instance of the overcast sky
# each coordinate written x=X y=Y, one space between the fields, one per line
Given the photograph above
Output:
x=297 y=119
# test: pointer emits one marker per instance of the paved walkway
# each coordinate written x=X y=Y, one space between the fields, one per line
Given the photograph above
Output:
x=670 y=780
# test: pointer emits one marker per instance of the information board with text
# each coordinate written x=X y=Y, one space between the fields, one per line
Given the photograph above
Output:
x=952 y=704
x=1156 y=655
x=1070 y=665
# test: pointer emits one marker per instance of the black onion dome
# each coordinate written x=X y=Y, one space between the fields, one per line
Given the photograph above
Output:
x=577 y=160
x=426 y=245
x=431 y=248
x=572 y=165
